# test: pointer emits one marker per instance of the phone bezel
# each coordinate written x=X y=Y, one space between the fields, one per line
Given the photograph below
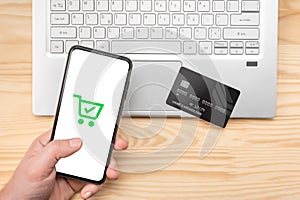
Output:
x=77 y=47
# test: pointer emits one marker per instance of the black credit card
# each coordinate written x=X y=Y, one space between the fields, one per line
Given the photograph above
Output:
x=203 y=97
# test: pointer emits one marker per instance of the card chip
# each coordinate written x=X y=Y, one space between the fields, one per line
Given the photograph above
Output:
x=185 y=84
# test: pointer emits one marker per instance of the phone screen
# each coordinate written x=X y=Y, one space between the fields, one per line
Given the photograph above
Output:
x=93 y=91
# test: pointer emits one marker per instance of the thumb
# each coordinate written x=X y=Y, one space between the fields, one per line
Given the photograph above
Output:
x=58 y=149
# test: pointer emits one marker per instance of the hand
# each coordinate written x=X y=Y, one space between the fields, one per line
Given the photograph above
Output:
x=35 y=177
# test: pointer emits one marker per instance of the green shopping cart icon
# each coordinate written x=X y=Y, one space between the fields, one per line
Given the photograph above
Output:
x=88 y=110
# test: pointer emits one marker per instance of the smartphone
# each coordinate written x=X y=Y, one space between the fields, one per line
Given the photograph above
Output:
x=94 y=88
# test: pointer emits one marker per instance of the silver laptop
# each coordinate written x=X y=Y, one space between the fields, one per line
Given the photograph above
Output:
x=233 y=41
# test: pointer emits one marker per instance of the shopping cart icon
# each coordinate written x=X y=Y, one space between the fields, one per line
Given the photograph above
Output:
x=88 y=110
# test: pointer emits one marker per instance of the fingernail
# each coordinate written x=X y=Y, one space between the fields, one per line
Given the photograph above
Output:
x=87 y=195
x=75 y=143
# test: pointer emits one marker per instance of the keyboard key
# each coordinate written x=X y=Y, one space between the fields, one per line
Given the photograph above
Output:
x=102 y=5
x=58 y=5
x=205 y=48
x=221 y=51
x=237 y=44
x=73 y=5
x=252 y=44
x=60 y=19
x=237 y=51
x=156 y=33
x=233 y=6
x=250 y=6
x=91 y=19
x=135 y=19
x=189 y=6
x=163 y=19
x=214 y=33
x=63 y=32
x=178 y=19
x=207 y=19
x=56 y=46
x=87 y=43
x=117 y=5
x=88 y=5
x=192 y=19
x=204 y=6
x=149 y=19
x=221 y=19
x=190 y=48
x=128 y=33
x=99 y=32
x=106 y=19
x=221 y=44
x=146 y=5
x=160 y=5
x=113 y=33
x=103 y=45
x=200 y=33
x=171 y=33
x=245 y=19
x=142 y=33
x=241 y=34
x=162 y=47
x=131 y=5
x=70 y=44
x=218 y=6
x=120 y=19
x=85 y=32
x=252 y=51
x=185 y=33
x=175 y=6
x=77 y=19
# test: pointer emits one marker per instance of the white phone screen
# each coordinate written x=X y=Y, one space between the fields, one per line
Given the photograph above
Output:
x=89 y=107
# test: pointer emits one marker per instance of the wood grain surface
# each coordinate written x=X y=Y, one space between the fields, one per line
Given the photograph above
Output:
x=253 y=159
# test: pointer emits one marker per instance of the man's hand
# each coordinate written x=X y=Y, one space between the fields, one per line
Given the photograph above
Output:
x=35 y=177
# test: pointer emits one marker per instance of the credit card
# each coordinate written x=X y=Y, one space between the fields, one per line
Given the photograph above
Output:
x=203 y=97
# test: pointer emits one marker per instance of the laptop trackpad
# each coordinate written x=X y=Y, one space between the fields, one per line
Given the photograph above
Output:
x=150 y=85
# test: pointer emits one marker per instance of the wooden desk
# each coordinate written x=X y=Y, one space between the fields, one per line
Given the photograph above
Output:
x=254 y=159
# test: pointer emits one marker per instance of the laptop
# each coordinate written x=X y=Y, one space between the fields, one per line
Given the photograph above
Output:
x=232 y=41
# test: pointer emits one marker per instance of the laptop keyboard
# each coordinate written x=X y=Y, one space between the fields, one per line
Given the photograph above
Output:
x=188 y=27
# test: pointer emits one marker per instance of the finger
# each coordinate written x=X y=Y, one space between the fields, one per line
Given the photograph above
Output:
x=89 y=190
x=58 y=149
x=44 y=139
x=70 y=186
x=76 y=185
x=112 y=173
x=120 y=144
x=40 y=141
x=112 y=170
